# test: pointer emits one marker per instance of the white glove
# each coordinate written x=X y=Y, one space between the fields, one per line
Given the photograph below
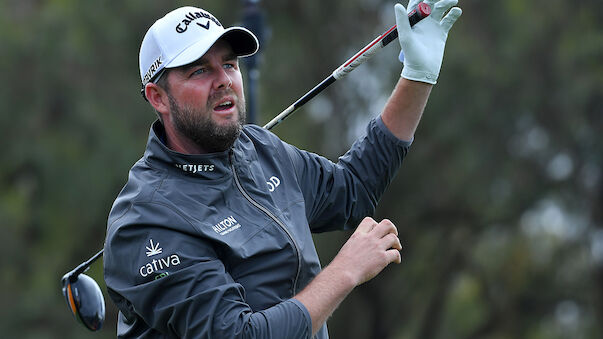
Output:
x=423 y=44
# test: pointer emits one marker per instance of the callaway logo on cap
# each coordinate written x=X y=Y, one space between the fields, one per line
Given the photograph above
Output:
x=183 y=36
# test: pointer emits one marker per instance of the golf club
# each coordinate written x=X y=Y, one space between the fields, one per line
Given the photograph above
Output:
x=84 y=296
x=82 y=293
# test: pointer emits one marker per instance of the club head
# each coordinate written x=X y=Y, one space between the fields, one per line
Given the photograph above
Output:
x=85 y=299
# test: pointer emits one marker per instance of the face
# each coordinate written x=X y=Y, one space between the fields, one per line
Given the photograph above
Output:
x=206 y=102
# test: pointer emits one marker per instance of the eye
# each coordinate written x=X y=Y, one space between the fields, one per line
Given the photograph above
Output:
x=229 y=65
x=198 y=71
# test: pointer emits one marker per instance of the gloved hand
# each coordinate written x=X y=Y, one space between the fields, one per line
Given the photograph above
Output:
x=423 y=45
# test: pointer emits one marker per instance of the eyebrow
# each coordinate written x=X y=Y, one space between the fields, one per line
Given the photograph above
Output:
x=201 y=61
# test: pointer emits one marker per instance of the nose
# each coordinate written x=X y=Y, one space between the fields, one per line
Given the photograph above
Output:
x=223 y=80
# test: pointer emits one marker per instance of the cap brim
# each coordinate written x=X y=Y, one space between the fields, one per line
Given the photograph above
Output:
x=242 y=41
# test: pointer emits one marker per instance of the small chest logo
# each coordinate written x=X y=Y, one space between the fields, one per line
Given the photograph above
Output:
x=226 y=226
x=190 y=168
x=273 y=183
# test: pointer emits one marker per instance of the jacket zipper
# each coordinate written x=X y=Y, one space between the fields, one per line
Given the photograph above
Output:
x=271 y=216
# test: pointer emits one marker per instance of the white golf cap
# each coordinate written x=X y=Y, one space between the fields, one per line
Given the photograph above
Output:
x=183 y=36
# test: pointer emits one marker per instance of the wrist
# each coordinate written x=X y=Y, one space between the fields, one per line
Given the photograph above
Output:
x=423 y=76
x=342 y=275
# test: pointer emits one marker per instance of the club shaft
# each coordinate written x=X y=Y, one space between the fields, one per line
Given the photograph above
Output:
x=358 y=59
x=84 y=266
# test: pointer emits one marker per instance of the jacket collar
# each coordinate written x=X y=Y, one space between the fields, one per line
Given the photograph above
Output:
x=208 y=166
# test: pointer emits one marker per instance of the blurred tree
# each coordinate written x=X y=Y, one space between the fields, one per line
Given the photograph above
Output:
x=498 y=203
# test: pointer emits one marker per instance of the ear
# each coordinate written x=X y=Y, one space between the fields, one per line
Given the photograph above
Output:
x=157 y=97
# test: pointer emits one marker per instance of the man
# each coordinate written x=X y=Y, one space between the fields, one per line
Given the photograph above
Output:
x=211 y=235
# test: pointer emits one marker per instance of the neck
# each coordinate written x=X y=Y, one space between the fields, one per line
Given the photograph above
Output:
x=179 y=143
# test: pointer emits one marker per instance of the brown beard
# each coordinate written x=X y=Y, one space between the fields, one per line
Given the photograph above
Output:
x=199 y=127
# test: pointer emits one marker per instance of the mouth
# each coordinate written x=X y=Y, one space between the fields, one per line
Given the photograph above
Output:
x=224 y=105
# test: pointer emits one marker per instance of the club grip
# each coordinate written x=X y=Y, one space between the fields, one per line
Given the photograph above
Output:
x=417 y=14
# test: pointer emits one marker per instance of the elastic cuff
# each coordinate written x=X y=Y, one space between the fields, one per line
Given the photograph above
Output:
x=411 y=74
x=304 y=310
x=381 y=125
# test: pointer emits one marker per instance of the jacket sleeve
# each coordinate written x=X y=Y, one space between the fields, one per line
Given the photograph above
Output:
x=176 y=284
x=341 y=194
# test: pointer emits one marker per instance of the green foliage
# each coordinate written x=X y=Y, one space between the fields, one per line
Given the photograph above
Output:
x=498 y=203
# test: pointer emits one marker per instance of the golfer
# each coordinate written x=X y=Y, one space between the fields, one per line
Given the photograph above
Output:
x=211 y=235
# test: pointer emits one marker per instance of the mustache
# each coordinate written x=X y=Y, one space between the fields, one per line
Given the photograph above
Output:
x=218 y=95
